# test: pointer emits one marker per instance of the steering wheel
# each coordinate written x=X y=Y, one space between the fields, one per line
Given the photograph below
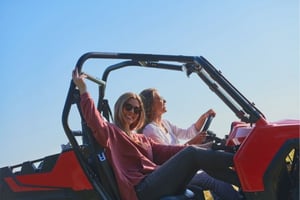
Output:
x=207 y=123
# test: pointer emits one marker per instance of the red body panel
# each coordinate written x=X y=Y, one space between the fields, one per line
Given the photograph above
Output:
x=67 y=173
x=239 y=132
x=258 y=150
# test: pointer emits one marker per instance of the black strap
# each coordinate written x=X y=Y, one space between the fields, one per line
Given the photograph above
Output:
x=106 y=111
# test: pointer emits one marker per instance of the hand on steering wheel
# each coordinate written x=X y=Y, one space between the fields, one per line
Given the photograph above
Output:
x=207 y=123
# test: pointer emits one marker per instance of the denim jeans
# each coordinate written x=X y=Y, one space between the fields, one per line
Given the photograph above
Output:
x=219 y=189
x=173 y=177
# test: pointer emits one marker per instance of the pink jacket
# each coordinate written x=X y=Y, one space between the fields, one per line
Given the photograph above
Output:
x=132 y=159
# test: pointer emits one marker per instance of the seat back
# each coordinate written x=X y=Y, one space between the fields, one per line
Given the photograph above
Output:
x=99 y=163
x=48 y=163
x=27 y=168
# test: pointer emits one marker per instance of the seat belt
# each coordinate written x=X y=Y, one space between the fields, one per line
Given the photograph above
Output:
x=106 y=111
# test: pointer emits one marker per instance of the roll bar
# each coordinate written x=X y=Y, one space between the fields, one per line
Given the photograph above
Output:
x=239 y=104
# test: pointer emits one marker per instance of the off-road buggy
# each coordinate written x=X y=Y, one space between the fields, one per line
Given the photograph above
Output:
x=266 y=153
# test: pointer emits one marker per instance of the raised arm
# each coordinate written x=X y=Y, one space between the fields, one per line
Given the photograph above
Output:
x=100 y=128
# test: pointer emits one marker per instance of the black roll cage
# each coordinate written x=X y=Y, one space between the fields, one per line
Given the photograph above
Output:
x=240 y=105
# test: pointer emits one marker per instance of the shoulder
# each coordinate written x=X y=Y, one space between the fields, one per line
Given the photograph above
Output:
x=141 y=138
x=152 y=131
x=168 y=123
x=165 y=121
x=150 y=128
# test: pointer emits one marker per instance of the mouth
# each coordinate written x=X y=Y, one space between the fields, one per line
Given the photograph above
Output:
x=129 y=118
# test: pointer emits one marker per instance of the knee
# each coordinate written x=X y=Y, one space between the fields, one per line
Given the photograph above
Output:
x=197 y=153
x=190 y=150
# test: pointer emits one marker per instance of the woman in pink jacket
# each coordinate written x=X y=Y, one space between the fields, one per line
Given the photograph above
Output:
x=144 y=169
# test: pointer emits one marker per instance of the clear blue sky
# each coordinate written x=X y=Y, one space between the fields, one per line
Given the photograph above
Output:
x=254 y=43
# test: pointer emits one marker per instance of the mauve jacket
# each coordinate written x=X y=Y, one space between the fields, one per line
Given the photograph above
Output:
x=132 y=158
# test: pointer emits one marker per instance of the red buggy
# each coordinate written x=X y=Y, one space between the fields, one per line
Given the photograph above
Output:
x=266 y=153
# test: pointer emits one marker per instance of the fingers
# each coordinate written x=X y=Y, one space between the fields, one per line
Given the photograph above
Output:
x=210 y=112
x=76 y=76
x=78 y=79
x=203 y=133
x=75 y=73
x=202 y=136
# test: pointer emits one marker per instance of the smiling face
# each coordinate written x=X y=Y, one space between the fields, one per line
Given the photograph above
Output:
x=131 y=111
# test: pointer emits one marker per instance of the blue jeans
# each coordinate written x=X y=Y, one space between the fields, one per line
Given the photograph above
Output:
x=219 y=189
x=173 y=177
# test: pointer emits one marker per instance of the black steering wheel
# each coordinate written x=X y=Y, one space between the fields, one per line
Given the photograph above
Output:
x=207 y=123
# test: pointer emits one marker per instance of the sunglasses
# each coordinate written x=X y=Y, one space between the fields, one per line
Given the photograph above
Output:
x=130 y=107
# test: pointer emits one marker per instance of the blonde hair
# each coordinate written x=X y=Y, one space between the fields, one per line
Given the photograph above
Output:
x=119 y=116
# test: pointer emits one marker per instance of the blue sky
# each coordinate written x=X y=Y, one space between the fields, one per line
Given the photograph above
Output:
x=254 y=43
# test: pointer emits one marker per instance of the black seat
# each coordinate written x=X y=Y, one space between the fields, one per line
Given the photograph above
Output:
x=48 y=163
x=27 y=168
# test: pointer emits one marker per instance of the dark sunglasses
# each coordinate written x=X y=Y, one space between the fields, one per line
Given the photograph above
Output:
x=129 y=107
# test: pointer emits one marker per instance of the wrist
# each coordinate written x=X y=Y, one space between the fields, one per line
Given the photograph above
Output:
x=82 y=91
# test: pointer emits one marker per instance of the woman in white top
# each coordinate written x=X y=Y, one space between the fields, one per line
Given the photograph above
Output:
x=163 y=131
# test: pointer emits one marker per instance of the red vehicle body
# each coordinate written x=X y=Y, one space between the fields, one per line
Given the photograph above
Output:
x=259 y=174
x=266 y=153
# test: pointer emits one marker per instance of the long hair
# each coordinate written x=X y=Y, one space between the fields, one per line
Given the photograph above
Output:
x=119 y=116
x=147 y=96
